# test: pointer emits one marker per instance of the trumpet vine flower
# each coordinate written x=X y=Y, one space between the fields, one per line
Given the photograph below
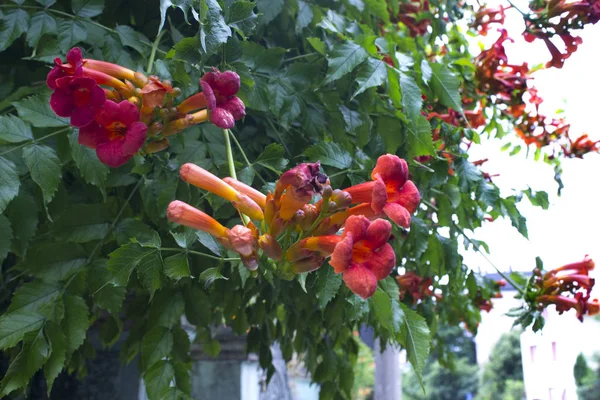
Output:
x=219 y=90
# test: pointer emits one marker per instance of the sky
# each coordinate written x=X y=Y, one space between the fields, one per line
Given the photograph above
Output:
x=570 y=228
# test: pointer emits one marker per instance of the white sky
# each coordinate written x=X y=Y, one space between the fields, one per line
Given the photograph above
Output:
x=570 y=228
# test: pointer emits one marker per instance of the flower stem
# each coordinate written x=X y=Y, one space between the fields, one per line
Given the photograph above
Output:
x=231 y=165
x=198 y=253
x=36 y=140
x=153 y=53
x=300 y=56
x=246 y=158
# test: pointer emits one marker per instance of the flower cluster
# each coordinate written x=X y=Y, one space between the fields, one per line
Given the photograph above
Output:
x=118 y=111
x=415 y=286
x=567 y=287
x=303 y=221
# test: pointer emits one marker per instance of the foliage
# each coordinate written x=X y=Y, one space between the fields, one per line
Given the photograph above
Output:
x=588 y=380
x=580 y=369
x=342 y=82
x=504 y=369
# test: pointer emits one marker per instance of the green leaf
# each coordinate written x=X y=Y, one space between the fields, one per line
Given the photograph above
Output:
x=149 y=271
x=419 y=139
x=305 y=16
x=209 y=242
x=82 y=223
x=158 y=379
x=416 y=339
x=329 y=154
x=110 y=330
x=269 y=9
x=23 y=215
x=445 y=86
x=378 y=8
x=386 y=307
x=91 y=169
x=390 y=129
x=34 y=353
x=14 y=24
x=6 y=237
x=327 y=286
x=215 y=31
x=87 y=8
x=272 y=158
x=317 y=44
x=435 y=255
x=70 y=33
x=9 y=182
x=14 y=326
x=35 y=296
x=130 y=37
x=75 y=322
x=58 y=353
x=14 y=130
x=44 y=166
x=167 y=309
x=36 y=110
x=156 y=345
x=134 y=230
x=373 y=73
x=411 y=97
x=105 y=294
x=54 y=261
x=343 y=59
x=241 y=17
x=177 y=266
x=197 y=305
x=210 y=275
x=126 y=258
x=184 y=5
x=41 y=24
x=468 y=174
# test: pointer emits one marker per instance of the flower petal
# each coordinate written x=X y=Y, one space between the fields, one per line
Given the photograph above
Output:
x=222 y=118
x=111 y=153
x=241 y=240
x=398 y=214
x=128 y=113
x=82 y=116
x=378 y=233
x=408 y=197
x=382 y=261
x=379 y=195
x=74 y=57
x=54 y=74
x=391 y=168
x=110 y=113
x=61 y=102
x=360 y=281
x=342 y=255
x=135 y=138
x=89 y=135
x=236 y=107
x=209 y=95
x=357 y=226
x=227 y=83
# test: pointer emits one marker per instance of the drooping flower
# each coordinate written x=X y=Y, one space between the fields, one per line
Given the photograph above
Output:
x=74 y=67
x=363 y=255
x=154 y=92
x=390 y=191
x=239 y=238
x=116 y=133
x=219 y=90
x=203 y=179
x=77 y=97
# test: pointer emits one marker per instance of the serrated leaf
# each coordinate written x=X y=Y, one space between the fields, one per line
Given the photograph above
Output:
x=14 y=130
x=150 y=271
x=75 y=322
x=272 y=158
x=158 y=380
x=183 y=5
x=126 y=258
x=92 y=170
x=209 y=242
x=87 y=8
x=70 y=33
x=386 y=310
x=130 y=37
x=210 y=275
x=269 y=9
x=445 y=85
x=32 y=356
x=167 y=309
x=41 y=24
x=390 y=130
x=53 y=262
x=419 y=139
x=378 y=8
x=305 y=16
x=317 y=44
x=44 y=166
x=177 y=266
x=14 y=326
x=241 y=17
x=411 y=97
x=156 y=345
x=36 y=110
x=23 y=215
x=82 y=223
x=327 y=286
x=105 y=294
x=35 y=296
x=14 y=24
x=9 y=182
x=6 y=237
x=373 y=73
x=468 y=174
x=58 y=352
x=197 y=305
x=415 y=338
x=329 y=154
x=343 y=59
x=215 y=32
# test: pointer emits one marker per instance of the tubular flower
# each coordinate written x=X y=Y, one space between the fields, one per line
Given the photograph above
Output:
x=249 y=191
x=390 y=191
x=74 y=67
x=77 y=97
x=154 y=92
x=203 y=179
x=239 y=238
x=308 y=254
x=579 y=303
x=116 y=133
x=580 y=267
x=415 y=286
x=363 y=255
x=219 y=90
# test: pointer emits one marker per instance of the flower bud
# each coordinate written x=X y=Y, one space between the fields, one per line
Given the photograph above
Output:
x=269 y=245
x=308 y=264
x=342 y=199
x=155 y=147
x=155 y=128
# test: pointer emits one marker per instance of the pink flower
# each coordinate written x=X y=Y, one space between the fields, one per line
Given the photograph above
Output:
x=77 y=97
x=116 y=134
x=219 y=89
x=363 y=255
x=74 y=67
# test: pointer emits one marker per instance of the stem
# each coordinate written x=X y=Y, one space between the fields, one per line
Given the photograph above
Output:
x=300 y=56
x=526 y=16
x=36 y=140
x=280 y=138
x=198 y=253
x=423 y=166
x=246 y=158
x=345 y=171
x=231 y=166
x=153 y=53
